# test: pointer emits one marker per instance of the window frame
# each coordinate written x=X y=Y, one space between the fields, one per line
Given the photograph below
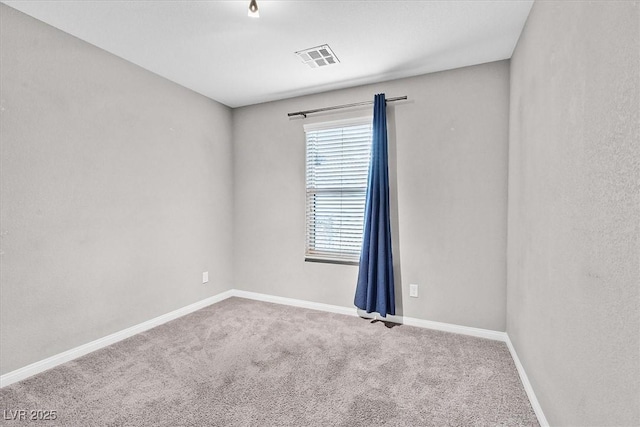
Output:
x=312 y=255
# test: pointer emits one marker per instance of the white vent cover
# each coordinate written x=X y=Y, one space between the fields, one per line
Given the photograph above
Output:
x=318 y=56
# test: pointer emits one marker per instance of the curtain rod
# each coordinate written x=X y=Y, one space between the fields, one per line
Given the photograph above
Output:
x=336 y=107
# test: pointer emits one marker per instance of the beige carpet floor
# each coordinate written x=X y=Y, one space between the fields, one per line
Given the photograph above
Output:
x=249 y=363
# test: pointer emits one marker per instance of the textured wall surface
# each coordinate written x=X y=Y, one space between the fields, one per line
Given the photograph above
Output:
x=116 y=193
x=573 y=309
x=448 y=179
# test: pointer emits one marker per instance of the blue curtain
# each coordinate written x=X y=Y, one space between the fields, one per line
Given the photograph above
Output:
x=375 y=288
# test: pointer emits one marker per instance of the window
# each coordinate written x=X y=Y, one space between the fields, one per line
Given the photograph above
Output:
x=337 y=169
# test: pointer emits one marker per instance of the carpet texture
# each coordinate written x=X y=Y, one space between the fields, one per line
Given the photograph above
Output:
x=247 y=363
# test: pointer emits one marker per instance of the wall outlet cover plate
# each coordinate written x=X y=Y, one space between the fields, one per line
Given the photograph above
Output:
x=413 y=291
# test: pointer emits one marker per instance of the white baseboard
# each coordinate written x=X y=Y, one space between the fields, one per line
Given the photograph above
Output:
x=527 y=385
x=352 y=311
x=295 y=302
x=74 y=353
x=457 y=329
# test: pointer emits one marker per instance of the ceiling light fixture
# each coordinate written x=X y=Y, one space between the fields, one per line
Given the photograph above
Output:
x=253 y=9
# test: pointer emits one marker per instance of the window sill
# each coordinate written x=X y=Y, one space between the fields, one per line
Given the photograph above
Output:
x=330 y=261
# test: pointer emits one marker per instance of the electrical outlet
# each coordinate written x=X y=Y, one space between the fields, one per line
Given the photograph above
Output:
x=205 y=277
x=413 y=291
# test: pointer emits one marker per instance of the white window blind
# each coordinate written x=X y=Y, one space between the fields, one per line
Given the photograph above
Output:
x=337 y=163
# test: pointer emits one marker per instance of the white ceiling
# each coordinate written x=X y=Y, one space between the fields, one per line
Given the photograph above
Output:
x=213 y=48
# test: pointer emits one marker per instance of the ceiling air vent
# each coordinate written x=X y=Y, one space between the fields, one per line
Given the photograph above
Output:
x=318 y=56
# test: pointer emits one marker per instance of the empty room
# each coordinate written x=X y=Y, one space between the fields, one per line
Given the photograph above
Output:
x=320 y=213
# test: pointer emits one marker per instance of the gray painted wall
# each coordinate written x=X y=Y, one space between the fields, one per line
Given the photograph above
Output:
x=574 y=210
x=448 y=172
x=116 y=193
